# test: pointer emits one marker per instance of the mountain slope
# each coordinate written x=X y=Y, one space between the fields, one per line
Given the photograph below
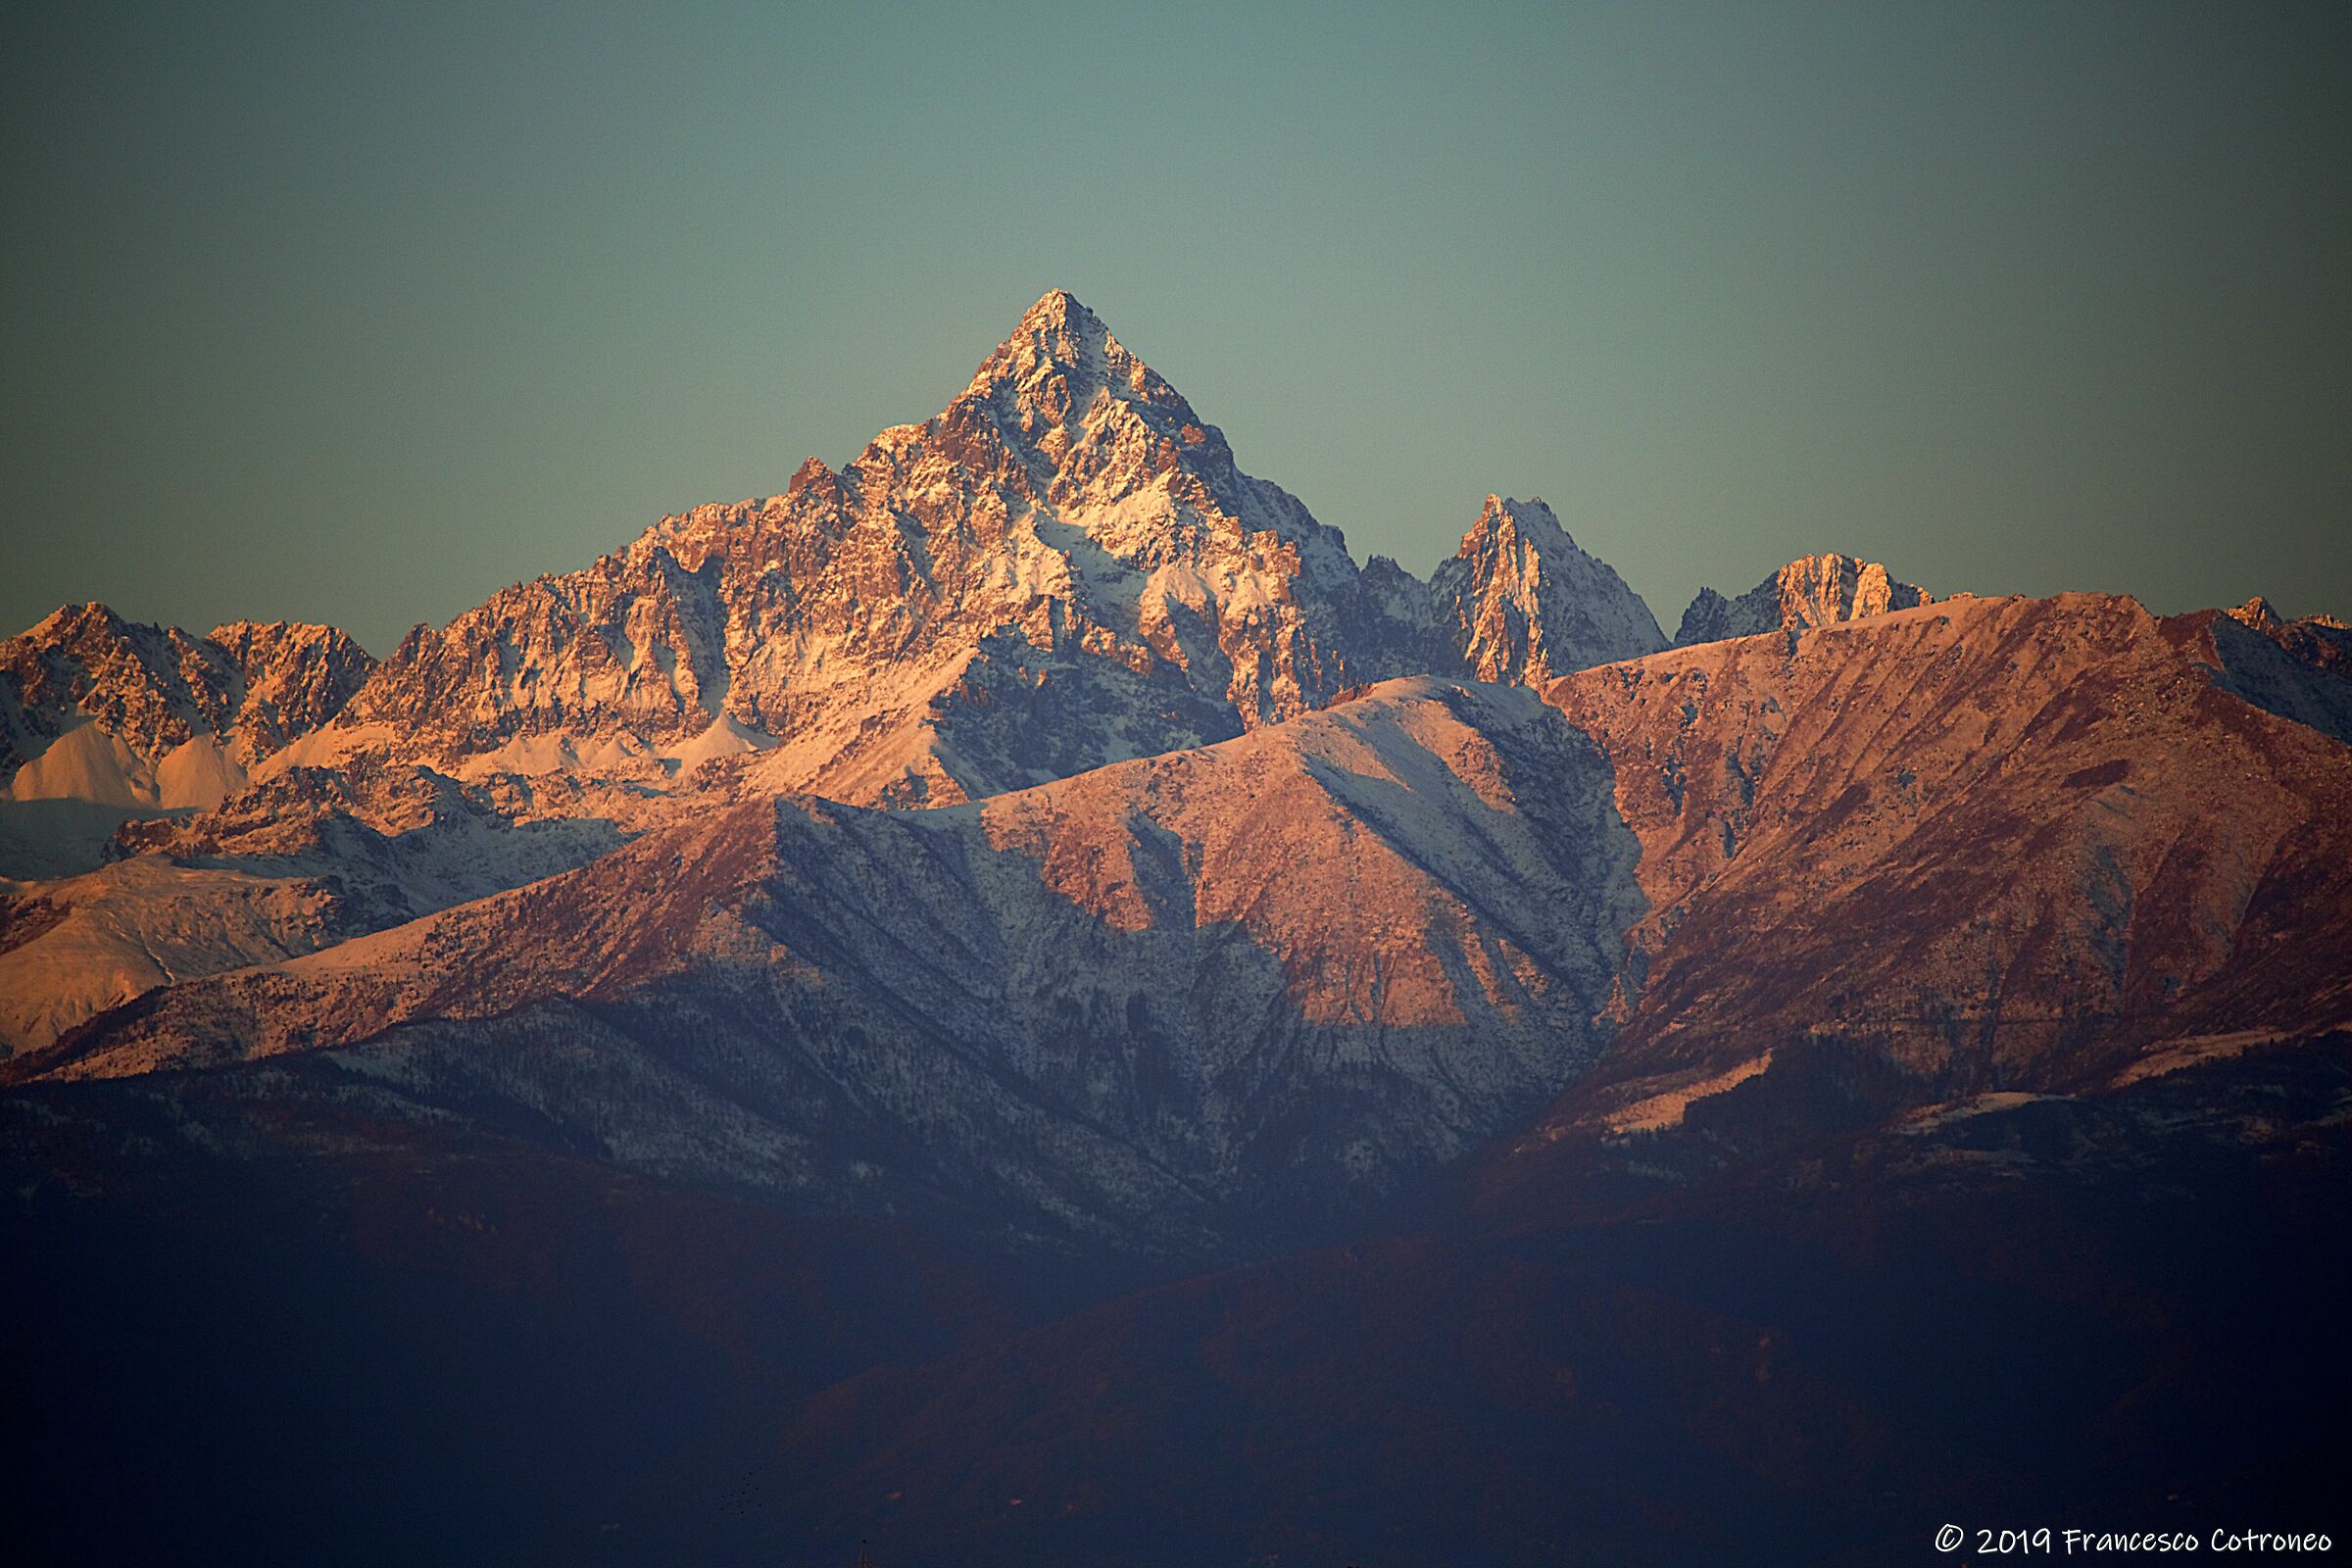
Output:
x=1278 y=976
x=1413 y=912
x=1985 y=1068
x=2055 y=1309
x=2299 y=670
x=1988 y=846
x=305 y=859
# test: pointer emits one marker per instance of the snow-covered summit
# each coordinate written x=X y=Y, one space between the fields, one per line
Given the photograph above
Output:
x=1061 y=569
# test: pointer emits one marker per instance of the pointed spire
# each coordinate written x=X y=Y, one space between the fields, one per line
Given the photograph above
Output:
x=2258 y=614
x=1057 y=334
x=1056 y=306
x=1523 y=603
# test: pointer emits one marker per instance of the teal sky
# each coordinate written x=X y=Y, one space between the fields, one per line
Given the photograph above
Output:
x=356 y=314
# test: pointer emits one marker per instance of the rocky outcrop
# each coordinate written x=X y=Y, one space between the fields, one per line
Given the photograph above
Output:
x=98 y=709
x=1809 y=592
x=295 y=679
x=1519 y=603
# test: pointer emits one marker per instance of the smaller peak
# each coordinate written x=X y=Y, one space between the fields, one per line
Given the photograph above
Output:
x=1813 y=590
x=235 y=634
x=821 y=483
x=2257 y=613
x=1510 y=507
x=69 y=619
x=1505 y=518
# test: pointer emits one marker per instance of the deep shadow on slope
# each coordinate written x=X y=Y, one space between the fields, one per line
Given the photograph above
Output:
x=2115 y=1314
x=426 y=1349
x=459 y=1348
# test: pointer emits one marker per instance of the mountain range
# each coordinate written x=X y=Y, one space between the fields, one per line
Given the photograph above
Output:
x=1013 y=1002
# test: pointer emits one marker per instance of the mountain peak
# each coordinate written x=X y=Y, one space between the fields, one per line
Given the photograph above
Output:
x=1074 y=404
x=1523 y=603
x=1057 y=334
x=812 y=472
x=1504 y=516
x=2257 y=613
x=1816 y=590
x=1058 y=307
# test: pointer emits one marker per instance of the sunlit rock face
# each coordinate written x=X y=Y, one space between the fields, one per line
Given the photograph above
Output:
x=1063 y=568
x=1810 y=591
x=98 y=709
x=1520 y=603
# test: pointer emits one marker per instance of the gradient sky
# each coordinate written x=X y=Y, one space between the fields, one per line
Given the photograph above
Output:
x=356 y=314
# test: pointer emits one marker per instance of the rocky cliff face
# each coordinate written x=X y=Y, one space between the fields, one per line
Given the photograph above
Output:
x=1064 y=568
x=1810 y=591
x=1519 y=603
x=307 y=859
x=98 y=709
